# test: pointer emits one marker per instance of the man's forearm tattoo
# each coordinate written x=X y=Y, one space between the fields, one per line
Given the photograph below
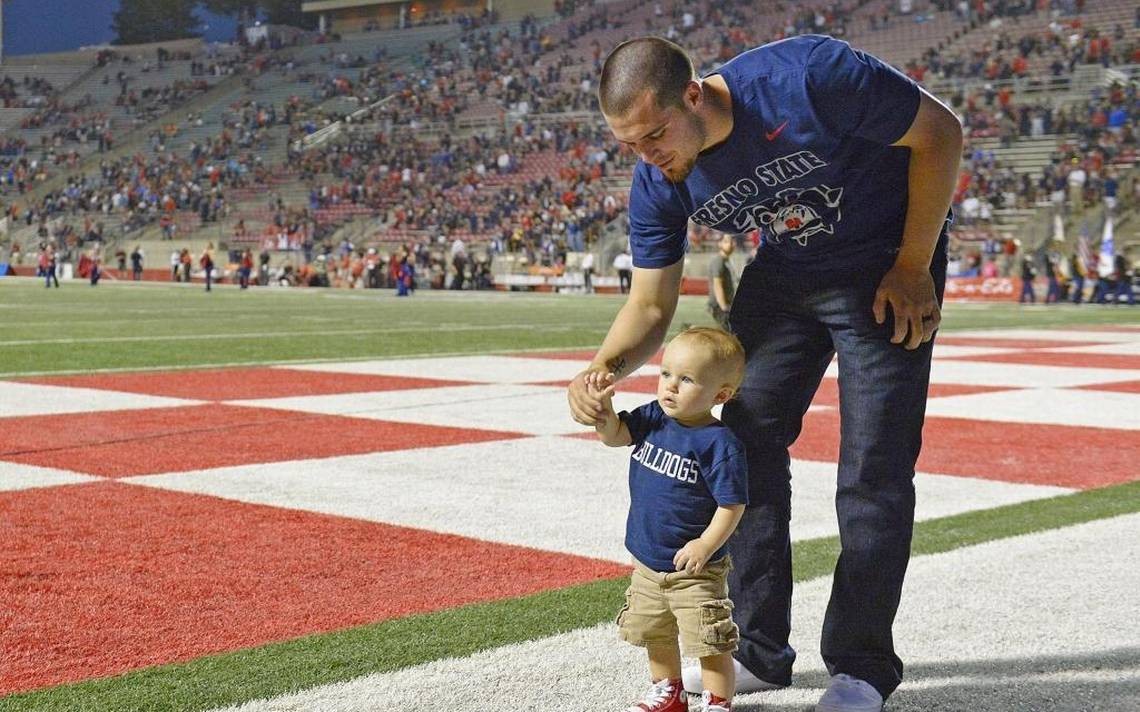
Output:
x=617 y=365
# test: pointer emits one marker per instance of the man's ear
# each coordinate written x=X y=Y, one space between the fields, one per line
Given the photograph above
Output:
x=694 y=93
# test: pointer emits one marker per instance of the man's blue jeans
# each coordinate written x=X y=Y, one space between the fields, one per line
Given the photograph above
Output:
x=791 y=324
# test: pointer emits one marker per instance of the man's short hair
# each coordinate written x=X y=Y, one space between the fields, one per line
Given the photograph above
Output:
x=723 y=346
x=644 y=64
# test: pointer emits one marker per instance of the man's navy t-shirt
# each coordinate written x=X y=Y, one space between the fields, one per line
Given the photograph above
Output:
x=678 y=476
x=808 y=163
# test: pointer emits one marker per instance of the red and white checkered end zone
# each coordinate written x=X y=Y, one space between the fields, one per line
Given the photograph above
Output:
x=272 y=497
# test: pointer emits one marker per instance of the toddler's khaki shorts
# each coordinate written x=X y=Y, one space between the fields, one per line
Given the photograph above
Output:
x=659 y=607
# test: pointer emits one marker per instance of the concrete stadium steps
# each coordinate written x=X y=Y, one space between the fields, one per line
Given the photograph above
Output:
x=903 y=39
x=53 y=68
x=395 y=42
x=10 y=118
x=1102 y=15
x=1025 y=155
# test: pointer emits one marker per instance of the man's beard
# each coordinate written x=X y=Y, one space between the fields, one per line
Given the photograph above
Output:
x=678 y=172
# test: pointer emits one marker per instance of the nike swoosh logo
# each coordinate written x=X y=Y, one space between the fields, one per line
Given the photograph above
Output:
x=771 y=135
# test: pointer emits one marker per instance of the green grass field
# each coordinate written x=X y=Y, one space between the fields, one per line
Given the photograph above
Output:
x=155 y=326
x=145 y=326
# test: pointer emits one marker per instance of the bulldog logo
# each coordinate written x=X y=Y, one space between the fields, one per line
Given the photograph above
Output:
x=795 y=214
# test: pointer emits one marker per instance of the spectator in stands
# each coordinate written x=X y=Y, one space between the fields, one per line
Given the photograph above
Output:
x=839 y=257
x=721 y=282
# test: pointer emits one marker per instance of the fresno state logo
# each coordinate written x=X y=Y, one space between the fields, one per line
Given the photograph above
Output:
x=795 y=213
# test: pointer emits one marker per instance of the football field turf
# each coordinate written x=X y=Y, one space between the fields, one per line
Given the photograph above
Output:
x=317 y=500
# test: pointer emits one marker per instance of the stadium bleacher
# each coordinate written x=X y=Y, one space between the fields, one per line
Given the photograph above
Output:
x=491 y=134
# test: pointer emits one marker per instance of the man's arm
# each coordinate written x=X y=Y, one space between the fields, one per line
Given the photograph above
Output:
x=635 y=335
x=935 y=142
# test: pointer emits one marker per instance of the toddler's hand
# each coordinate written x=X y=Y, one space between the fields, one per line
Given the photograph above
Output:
x=600 y=385
x=692 y=557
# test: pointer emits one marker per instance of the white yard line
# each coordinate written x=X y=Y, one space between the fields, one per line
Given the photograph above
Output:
x=559 y=494
x=292 y=362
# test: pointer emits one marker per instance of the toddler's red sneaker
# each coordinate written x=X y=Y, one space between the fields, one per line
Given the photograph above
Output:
x=663 y=696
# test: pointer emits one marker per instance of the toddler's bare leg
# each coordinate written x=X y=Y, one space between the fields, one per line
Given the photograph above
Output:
x=718 y=675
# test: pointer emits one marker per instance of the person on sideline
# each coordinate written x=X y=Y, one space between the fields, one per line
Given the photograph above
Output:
x=623 y=263
x=847 y=169
x=720 y=281
x=688 y=484
x=206 y=262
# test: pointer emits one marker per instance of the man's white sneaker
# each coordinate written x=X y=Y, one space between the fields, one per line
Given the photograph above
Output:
x=745 y=680
x=849 y=694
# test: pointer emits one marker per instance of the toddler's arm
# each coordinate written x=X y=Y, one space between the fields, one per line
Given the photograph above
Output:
x=693 y=556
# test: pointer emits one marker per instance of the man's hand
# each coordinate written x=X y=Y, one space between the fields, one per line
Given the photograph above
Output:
x=693 y=556
x=587 y=402
x=914 y=303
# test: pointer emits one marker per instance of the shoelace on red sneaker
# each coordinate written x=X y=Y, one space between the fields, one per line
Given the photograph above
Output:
x=658 y=693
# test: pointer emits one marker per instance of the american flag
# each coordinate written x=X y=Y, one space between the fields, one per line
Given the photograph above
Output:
x=1084 y=249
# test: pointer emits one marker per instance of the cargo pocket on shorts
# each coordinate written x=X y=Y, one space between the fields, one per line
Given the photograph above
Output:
x=620 y=619
x=717 y=627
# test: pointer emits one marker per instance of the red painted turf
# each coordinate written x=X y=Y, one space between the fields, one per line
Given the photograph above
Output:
x=1054 y=358
x=828 y=393
x=241 y=383
x=1122 y=387
x=104 y=578
x=143 y=442
x=1011 y=452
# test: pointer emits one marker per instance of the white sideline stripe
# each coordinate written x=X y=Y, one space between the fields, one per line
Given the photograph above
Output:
x=535 y=410
x=563 y=326
x=952 y=351
x=1022 y=611
x=1049 y=334
x=479 y=369
x=280 y=363
x=16 y=476
x=1130 y=348
x=552 y=493
x=24 y=399
x=1055 y=406
x=1016 y=375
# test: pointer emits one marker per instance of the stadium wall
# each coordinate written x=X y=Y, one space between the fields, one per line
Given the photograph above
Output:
x=355 y=15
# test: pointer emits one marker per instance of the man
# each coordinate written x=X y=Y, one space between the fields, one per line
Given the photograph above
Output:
x=623 y=263
x=847 y=167
x=720 y=281
x=588 y=272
